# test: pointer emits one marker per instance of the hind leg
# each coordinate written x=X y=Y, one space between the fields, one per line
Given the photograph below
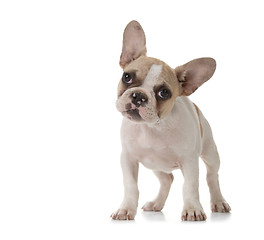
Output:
x=165 y=183
x=211 y=158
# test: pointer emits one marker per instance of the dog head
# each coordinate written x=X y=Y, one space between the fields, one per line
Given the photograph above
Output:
x=149 y=87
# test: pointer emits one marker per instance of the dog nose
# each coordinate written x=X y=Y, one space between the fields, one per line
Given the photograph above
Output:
x=139 y=99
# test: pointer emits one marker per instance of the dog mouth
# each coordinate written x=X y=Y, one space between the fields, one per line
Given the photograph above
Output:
x=133 y=114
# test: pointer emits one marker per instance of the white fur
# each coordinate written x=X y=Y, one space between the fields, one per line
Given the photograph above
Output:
x=175 y=142
x=168 y=143
x=152 y=76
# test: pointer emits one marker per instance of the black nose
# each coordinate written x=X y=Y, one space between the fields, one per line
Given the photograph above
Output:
x=139 y=99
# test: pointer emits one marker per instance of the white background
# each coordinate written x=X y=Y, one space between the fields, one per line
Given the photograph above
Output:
x=59 y=130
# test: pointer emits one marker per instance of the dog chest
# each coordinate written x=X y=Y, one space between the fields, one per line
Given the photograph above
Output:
x=156 y=150
x=162 y=160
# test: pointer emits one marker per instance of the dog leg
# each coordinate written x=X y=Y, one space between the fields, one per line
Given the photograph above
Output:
x=192 y=210
x=211 y=159
x=165 y=183
x=128 y=208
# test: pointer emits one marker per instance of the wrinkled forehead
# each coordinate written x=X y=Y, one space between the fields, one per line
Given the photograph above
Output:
x=151 y=72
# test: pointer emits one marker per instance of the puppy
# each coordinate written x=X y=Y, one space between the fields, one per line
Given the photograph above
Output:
x=163 y=130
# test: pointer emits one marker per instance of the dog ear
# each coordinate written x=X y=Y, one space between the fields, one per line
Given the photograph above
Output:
x=134 y=43
x=194 y=73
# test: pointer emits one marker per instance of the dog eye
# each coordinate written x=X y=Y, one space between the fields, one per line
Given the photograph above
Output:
x=127 y=78
x=164 y=94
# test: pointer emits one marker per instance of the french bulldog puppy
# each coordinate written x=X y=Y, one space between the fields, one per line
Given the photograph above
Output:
x=163 y=130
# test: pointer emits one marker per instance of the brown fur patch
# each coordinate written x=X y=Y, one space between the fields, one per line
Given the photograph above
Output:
x=140 y=67
x=168 y=78
x=198 y=113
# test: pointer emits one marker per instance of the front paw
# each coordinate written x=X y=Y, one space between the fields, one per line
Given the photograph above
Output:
x=124 y=214
x=153 y=206
x=193 y=214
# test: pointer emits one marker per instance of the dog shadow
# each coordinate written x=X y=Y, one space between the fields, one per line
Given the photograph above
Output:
x=153 y=216
x=220 y=217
